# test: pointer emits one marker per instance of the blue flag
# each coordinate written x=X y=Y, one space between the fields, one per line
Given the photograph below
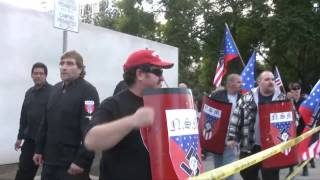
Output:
x=247 y=74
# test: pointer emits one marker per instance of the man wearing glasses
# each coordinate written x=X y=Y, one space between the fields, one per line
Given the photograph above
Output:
x=115 y=125
x=295 y=90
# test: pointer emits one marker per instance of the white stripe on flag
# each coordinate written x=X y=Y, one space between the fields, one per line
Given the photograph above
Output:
x=219 y=75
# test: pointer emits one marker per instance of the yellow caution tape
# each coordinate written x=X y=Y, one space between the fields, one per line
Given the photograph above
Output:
x=237 y=166
x=296 y=170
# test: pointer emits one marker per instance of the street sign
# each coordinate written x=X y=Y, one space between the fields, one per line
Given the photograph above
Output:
x=66 y=15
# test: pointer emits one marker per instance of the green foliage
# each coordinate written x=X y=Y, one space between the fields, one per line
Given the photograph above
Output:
x=134 y=20
x=293 y=38
x=107 y=15
x=285 y=33
x=87 y=14
x=181 y=30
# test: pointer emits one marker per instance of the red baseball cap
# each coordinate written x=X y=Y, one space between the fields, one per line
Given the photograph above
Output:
x=141 y=57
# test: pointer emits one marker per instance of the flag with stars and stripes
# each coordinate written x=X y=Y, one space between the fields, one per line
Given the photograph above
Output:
x=309 y=148
x=277 y=77
x=308 y=106
x=184 y=144
x=228 y=53
x=248 y=74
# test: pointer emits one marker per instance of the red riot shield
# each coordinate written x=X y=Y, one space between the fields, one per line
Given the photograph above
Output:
x=213 y=124
x=277 y=125
x=173 y=139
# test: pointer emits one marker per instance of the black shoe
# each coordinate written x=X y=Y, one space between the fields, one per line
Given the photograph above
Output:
x=312 y=164
x=305 y=171
x=290 y=169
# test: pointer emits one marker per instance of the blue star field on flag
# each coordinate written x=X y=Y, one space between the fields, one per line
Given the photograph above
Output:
x=283 y=126
x=210 y=118
x=229 y=46
x=313 y=99
x=247 y=74
x=229 y=52
x=187 y=141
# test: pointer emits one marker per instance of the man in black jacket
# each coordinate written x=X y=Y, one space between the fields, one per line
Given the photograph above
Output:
x=231 y=95
x=70 y=107
x=32 y=112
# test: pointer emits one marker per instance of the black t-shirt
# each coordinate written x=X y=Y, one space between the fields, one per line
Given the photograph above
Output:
x=265 y=99
x=129 y=159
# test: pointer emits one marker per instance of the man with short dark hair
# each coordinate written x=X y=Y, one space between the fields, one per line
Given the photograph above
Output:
x=116 y=123
x=244 y=124
x=70 y=106
x=32 y=112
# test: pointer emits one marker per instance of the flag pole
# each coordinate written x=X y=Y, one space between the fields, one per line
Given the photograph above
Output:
x=282 y=87
x=243 y=65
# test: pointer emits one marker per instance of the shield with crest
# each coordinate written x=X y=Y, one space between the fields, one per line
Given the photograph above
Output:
x=173 y=139
x=213 y=124
x=277 y=125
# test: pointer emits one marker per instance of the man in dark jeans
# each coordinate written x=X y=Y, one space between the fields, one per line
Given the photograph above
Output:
x=243 y=126
x=70 y=106
x=32 y=112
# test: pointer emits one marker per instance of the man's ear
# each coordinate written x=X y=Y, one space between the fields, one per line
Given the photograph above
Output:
x=140 y=74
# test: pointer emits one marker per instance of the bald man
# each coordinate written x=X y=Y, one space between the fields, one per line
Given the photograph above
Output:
x=230 y=94
x=244 y=124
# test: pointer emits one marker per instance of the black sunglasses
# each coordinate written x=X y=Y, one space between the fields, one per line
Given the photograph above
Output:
x=156 y=71
x=296 y=88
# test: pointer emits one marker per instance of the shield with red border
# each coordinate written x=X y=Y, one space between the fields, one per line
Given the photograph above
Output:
x=172 y=141
x=277 y=125
x=213 y=124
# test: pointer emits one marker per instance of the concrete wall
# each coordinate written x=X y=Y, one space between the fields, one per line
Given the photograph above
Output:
x=27 y=36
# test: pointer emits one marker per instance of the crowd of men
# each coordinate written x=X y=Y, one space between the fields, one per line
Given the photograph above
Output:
x=62 y=125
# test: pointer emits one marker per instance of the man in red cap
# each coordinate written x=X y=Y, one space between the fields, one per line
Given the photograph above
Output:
x=115 y=125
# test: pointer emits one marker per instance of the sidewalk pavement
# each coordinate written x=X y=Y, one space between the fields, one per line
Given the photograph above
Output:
x=7 y=172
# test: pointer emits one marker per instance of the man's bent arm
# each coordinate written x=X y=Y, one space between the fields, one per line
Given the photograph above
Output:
x=107 y=135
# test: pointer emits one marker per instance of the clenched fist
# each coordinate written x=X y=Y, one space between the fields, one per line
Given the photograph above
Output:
x=143 y=117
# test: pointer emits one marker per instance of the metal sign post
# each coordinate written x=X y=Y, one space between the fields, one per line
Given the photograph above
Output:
x=66 y=17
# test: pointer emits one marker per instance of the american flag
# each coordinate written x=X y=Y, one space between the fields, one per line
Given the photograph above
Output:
x=310 y=147
x=228 y=53
x=308 y=106
x=277 y=77
x=247 y=75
